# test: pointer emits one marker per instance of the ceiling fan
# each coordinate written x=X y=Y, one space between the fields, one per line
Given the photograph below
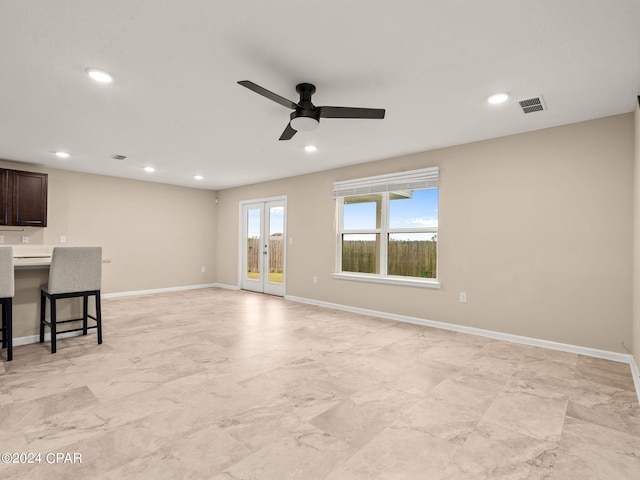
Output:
x=305 y=115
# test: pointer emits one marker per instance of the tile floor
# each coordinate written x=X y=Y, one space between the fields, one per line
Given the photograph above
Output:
x=225 y=385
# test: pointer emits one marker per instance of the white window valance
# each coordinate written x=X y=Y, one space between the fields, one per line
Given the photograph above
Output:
x=423 y=178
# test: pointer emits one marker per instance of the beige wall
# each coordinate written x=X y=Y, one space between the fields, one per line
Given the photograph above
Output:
x=536 y=228
x=153 y=235
x=636 y=241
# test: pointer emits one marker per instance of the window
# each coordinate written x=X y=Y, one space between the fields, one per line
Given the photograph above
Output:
x=388 y=227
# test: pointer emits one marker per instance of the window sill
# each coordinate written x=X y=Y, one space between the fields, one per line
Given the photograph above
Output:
x=409 y=282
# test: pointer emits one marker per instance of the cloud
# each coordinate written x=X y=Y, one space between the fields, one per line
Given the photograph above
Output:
x=422 y=222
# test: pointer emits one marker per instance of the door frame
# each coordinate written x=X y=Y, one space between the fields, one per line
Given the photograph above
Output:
x=241 y=206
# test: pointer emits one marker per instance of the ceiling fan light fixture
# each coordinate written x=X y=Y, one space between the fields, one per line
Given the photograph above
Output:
x=304 y=124
x=499 y=97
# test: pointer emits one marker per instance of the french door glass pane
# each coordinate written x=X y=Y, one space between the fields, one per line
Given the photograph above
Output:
x=254 y=251
x=276 y=244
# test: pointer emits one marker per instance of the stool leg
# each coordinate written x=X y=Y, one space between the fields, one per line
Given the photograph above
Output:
x=85 y=307
x=8 y=313
x=43 y=306
x=4 y=327
x=53 y=324
x=98 y=317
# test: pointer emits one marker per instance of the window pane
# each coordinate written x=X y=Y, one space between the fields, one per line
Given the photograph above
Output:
x=412 y=254
x=360 y=253
x=362 y=212
x=413 y=209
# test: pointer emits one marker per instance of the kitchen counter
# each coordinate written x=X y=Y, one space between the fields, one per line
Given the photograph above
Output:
x=31 y=262
x=32 y=256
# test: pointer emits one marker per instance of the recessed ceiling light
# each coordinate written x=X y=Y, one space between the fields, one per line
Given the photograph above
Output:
x=198 y=177
x=499 y=97
x=310 y=148
x=62 y=154
x=149 y=169
x=99 y=75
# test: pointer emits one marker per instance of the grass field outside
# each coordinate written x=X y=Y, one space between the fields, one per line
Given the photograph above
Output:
x=274 y=277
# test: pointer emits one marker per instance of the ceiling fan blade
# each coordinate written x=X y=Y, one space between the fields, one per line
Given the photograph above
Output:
x=350 y=112
x=288 y=133
x=270 y=95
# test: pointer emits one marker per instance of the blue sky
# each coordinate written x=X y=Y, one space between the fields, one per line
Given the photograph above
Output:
x=276 y=222
x=421 y=210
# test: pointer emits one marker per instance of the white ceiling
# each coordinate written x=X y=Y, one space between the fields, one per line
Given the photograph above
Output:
x=175 y=103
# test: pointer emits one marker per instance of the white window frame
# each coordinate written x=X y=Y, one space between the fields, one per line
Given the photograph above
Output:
x=383 y=185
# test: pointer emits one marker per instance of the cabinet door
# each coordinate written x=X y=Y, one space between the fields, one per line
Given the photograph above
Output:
x=29 y=199
x=4 y=197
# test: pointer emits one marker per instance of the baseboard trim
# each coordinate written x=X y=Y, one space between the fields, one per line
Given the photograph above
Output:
x=564 y=347
x=226 y=287
x=158 y=290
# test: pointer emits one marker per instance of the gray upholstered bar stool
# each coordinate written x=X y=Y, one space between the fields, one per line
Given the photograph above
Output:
x=7 y=290
x=74 y=272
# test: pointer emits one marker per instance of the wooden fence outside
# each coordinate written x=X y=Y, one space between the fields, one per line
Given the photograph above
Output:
x=276 y=246
x=405 y=257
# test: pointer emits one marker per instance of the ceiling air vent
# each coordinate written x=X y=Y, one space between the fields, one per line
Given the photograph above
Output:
x=115 y=156
x=533 y=104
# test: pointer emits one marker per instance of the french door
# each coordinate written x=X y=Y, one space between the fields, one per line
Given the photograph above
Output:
x=263 y=246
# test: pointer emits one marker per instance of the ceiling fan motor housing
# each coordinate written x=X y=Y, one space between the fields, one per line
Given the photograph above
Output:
x=305 y=90
x=306 y=117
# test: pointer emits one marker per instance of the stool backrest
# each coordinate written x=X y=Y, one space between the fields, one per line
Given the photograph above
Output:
x=7 y=287
x=75 y=269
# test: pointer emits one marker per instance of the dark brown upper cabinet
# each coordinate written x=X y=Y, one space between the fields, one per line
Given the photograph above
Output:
x=23 y=197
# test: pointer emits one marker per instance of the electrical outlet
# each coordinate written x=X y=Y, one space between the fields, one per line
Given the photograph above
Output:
x=463 y=297
x=63 y=239
x=315 y=280
x=25 y=239
x=1 y=238
x=202 y=269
